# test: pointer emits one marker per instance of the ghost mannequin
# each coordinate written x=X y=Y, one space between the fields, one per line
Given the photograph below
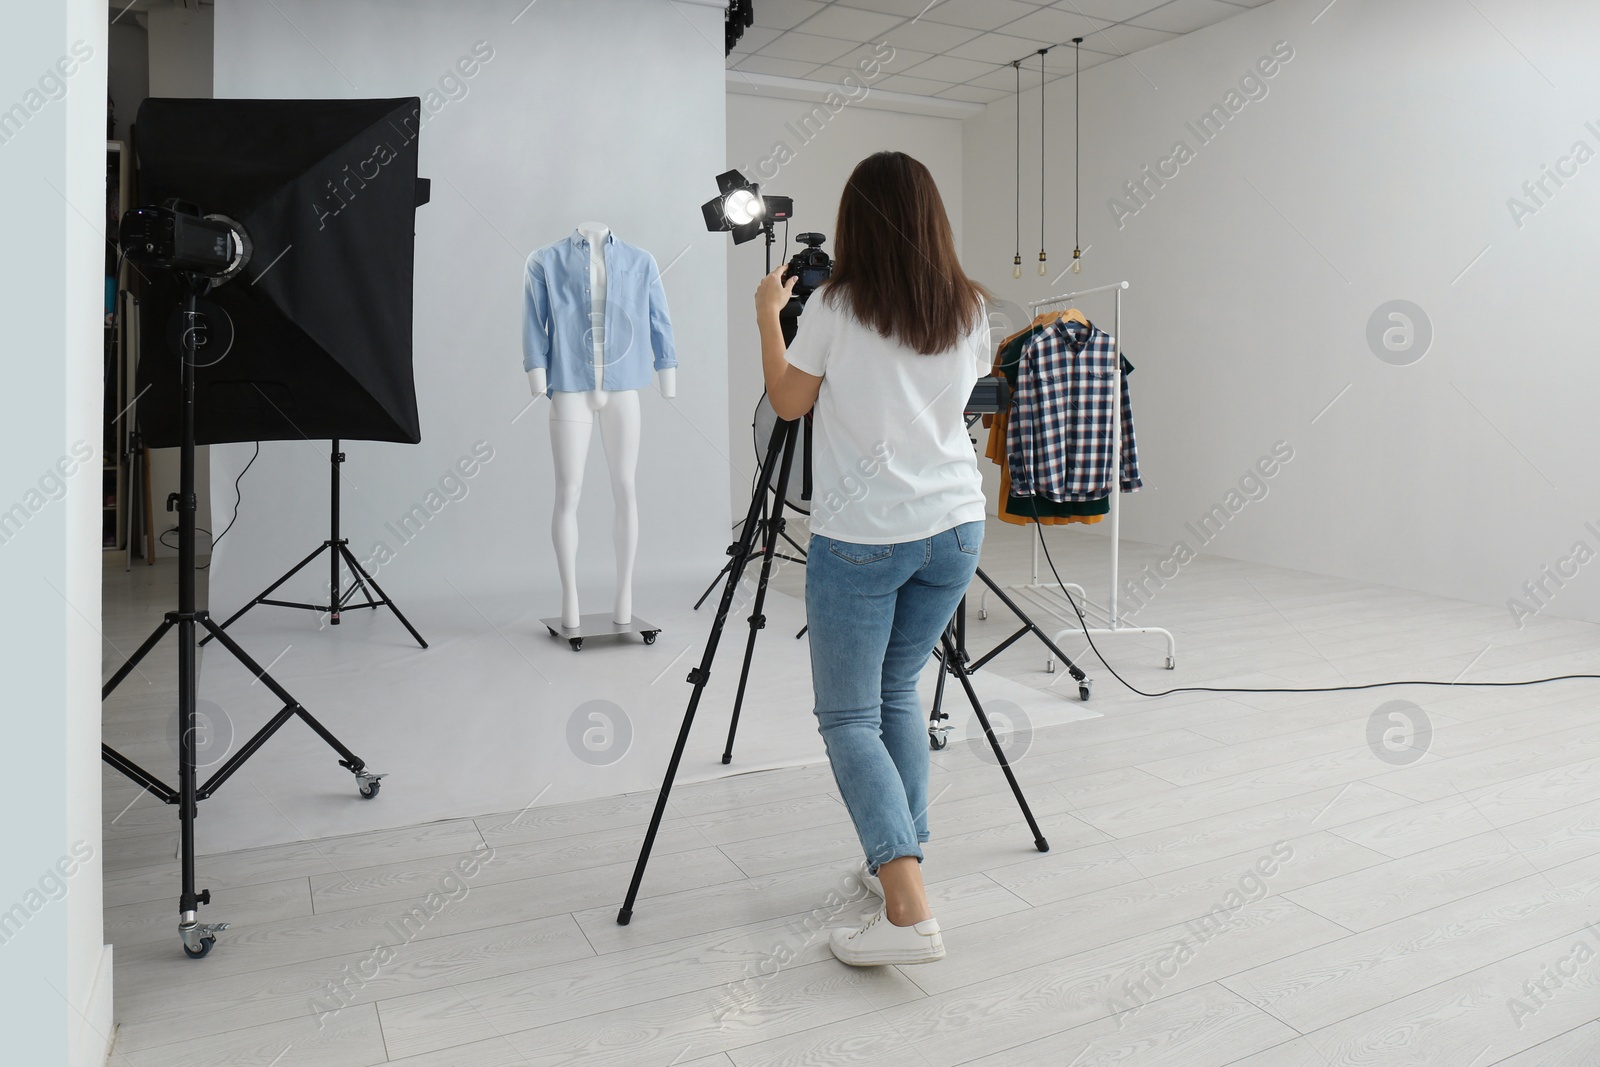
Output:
x=572 y=419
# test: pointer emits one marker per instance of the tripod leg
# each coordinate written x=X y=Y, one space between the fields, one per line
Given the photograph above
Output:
x=758 y=621
x=291 y=707
x=384 y=597
x=1029 y=625
x=713 y=585
x=937 y=731
x=783 y=433
x=268 y=591
x=356 y=584
x=133 y=660
x=960 y=671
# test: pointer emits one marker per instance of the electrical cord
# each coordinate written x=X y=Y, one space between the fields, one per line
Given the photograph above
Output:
x=1038 y=526
x=238 y=498
x=1082 y=622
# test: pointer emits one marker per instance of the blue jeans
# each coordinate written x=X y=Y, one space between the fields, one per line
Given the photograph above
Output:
x=875 y=614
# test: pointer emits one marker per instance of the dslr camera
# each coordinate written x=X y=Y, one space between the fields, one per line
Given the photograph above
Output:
x=811 y=265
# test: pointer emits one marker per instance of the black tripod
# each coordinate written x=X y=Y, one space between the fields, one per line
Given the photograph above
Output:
x=780 y=454
x=338 y=548
x=957 y=632
x=198 y=938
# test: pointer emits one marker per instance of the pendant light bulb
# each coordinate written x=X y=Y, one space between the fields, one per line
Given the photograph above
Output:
x=1077 y=261
x=1016 y=266
x=1041 y=263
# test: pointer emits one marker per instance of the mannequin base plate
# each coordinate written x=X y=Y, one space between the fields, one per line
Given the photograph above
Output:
x=600 y=624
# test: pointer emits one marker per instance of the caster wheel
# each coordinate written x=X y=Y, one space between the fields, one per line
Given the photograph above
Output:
x=203 y=951
x=650 y=637
x=1050 y=665
x=576 y=643
x=368 y=790
x=937 y=742
x=1083 y=692
x=552 y=630
x=1172 y=663
x=983 y=613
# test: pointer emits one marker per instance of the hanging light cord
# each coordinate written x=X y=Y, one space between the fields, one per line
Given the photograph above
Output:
x=1042 y=51
x=1017 y=258
x=1077 y=132
x=1077 y=142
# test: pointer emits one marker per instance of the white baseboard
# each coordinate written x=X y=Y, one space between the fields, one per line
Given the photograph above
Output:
x=93 y=1032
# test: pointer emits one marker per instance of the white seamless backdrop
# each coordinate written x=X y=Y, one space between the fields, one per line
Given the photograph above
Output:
x=532 y=133
x=543 y=134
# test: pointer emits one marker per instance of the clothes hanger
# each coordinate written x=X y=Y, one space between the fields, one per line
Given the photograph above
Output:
x=1074 y=315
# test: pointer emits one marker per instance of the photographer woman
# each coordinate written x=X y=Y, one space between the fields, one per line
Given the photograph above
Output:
x=887 y=352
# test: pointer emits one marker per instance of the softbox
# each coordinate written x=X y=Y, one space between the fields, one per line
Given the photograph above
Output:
x=313 y=339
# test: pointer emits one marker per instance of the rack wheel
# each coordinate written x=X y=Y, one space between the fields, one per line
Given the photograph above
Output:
x=1083 y=689
x=575 y=642
x=983 y=613
x=552 y=630
x=936 y=741
x=203 y=951
x=1050 y=664
x=650 y=636
x=1172 y=663
x=368 y=790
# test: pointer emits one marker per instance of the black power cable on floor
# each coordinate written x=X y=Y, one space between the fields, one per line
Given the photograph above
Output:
x=1037 y=525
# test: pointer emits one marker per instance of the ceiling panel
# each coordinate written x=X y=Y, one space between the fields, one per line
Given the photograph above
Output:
x=1108 y=10
x=1123 y=39
x=995 y=48
x=978 y=14
x=850 y=23
x=793 y=45
x=785 y=14
x=1185 y=16
x=1050 y=25
x=961 y=50
x=928 y=36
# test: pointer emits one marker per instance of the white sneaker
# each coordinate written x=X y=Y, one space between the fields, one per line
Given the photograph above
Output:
x=870 y=880
x=881 y=942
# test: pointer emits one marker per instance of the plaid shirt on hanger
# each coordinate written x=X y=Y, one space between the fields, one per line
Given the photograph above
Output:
x=1058 y=439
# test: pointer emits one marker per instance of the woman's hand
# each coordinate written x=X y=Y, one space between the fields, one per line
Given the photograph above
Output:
x=773 y=293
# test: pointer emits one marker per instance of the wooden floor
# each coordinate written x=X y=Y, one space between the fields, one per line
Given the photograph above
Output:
x=1248 y=879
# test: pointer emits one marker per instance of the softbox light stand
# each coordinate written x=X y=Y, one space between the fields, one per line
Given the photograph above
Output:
x=311 y=338
x=198 y=938
x=338 y=548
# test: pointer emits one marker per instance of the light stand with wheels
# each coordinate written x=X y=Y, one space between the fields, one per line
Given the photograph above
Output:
x=198 y=938
x=338 y=548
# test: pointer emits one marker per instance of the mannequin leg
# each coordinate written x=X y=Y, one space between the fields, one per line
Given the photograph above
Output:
x=571 y=423
x=619 y=435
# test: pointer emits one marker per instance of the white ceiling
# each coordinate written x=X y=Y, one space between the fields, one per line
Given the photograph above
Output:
x=960 y=50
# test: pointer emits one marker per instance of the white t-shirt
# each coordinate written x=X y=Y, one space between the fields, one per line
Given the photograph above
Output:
x=891 y=460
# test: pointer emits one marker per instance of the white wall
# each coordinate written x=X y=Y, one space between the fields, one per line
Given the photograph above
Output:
x=819 y=162
x=1377 y=167
x=54 y=967
x=181 y=56
x=548 y=133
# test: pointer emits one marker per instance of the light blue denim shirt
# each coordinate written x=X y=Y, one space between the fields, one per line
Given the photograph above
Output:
x=556 y=317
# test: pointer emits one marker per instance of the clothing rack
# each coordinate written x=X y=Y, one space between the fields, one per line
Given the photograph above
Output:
x=1045 y=593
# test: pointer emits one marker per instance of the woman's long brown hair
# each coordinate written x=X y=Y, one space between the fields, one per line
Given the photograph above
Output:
x=895 y=258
